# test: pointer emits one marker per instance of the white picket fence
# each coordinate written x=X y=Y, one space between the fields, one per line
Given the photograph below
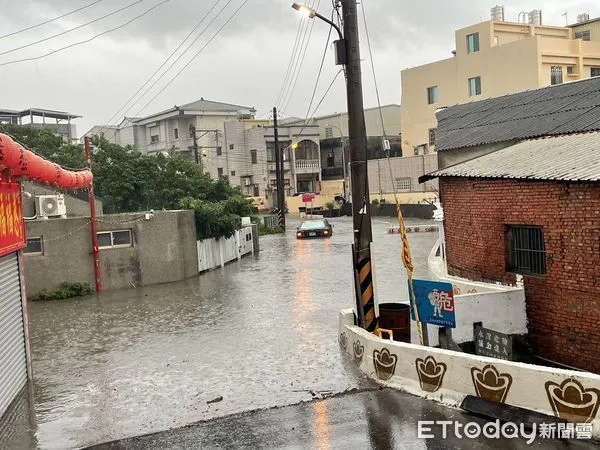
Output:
x=214 y=253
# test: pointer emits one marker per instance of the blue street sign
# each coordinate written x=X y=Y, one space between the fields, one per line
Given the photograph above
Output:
x=435 y=303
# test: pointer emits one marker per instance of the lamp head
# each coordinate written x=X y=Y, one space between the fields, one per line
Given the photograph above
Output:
x=304 y=10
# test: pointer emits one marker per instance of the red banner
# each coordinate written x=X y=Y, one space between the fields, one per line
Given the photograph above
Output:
x=12 y=228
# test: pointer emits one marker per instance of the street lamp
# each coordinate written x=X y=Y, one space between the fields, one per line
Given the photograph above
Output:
x=343 y=155
x=340 y=45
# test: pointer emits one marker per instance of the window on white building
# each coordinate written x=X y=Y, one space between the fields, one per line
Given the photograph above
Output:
x=474 y=86
x=403 y=184
x=473 y=43
x=556 y=75
x=154 y=135
x=432 y=136
x=433 y=95
x=583 y=35
x=176 y=133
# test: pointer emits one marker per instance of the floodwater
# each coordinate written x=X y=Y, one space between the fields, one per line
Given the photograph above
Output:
x=259 y=333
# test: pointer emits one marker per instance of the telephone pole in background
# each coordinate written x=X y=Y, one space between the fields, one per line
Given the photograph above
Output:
x=195 y=138
x=279 y=168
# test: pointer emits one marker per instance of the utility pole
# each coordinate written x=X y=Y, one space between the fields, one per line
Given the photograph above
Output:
x=279 y=168
x=95 y=247
x=195 y=138
x=357 y=141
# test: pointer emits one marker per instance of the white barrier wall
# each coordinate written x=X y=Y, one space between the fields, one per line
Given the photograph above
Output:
x=214 y=253
x=503 y=311
x=500 y=308
x=448 y=376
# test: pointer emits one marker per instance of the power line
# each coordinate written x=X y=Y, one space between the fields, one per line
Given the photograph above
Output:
x=303 y=27
x=312 y=98
x=72 y=29
x=287 y=72
x=163 y=65
x=182 y=54
x=195 y=56
x=87 y=40
x=299 y=61
x=50 y=20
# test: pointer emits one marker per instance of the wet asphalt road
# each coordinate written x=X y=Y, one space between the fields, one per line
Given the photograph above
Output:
x=260 y=333
x=383 y=419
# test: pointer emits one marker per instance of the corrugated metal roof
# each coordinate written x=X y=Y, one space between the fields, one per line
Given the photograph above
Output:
x=551 y=111
x=573 y=157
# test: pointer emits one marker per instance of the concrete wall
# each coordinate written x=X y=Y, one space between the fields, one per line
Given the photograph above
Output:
x=448 y=377
x=164 y=250
x=561 y=305
x=381 y=181
x=76 y=206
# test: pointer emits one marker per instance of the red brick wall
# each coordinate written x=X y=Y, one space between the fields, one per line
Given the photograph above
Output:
x=563 y=308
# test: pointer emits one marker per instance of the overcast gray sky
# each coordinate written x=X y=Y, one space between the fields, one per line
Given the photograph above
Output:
x=245 y=64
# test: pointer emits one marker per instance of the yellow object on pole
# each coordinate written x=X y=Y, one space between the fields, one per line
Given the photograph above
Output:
x=407 y=261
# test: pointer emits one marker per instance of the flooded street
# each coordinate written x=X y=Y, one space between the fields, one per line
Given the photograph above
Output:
x=259 y=333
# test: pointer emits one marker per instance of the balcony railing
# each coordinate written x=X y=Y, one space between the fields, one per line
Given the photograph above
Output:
x=308 y=164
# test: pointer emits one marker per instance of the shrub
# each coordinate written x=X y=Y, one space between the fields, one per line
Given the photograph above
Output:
x=330 y=206
x=375 y=201
x=64 y=291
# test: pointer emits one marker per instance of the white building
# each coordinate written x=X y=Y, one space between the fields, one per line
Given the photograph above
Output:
x=248 y=158
x=170 y=131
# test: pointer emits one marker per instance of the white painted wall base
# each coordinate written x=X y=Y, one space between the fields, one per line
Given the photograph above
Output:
x=448 y=377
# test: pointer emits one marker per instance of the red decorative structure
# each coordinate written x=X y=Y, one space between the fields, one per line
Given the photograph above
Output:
x=21 y=162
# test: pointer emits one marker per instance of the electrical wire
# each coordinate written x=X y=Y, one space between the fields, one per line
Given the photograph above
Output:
x=181 y=56
x=90 y=39
x=71 y=29
x=312 y=98
x=195 y=56
x=50 y=20
x=303 y=26
x=299 y=59
x=163 y=65
x=287 y=72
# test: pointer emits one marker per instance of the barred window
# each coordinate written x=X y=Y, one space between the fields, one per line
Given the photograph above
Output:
x=527 y=252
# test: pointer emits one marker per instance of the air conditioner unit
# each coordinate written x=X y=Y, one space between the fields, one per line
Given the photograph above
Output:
x=51 y=206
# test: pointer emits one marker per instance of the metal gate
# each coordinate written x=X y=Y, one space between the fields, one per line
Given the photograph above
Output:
x=13 y=360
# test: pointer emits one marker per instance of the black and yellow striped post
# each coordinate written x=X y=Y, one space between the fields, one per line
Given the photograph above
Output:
x=365 y=293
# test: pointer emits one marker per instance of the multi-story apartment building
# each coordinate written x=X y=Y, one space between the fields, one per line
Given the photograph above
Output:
x=491 y=59
x=248 y=158
x=170 y=132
